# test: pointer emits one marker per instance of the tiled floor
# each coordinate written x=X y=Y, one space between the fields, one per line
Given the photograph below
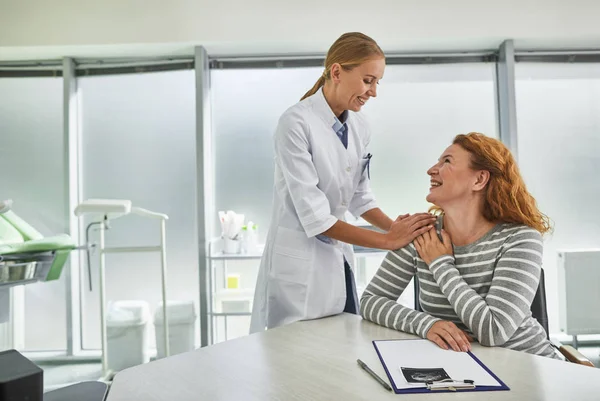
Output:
x=56 y=376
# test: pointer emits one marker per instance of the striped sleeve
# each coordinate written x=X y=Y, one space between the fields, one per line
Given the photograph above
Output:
x=495 y=318
x=379 y=301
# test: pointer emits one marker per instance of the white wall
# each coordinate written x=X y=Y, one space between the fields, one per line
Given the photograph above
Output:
x=41 y=28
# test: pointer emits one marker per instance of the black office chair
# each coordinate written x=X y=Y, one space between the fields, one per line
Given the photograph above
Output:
x=539 y=311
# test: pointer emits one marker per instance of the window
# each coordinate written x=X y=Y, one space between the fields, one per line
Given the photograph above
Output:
x=558 y=116
x=34 y=177
x=139 y=143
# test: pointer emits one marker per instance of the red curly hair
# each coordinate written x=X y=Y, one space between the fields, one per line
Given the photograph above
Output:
x=506 y=199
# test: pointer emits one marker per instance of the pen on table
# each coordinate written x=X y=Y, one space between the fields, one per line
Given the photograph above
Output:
x=374 y=375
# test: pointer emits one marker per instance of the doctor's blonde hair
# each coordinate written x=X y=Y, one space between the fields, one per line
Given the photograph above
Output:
x=349 y=51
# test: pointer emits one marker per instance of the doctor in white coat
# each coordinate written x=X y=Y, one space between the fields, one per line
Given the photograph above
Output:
x=321 y=172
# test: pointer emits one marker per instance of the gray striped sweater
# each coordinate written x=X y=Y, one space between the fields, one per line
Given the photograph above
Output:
x=485 y=288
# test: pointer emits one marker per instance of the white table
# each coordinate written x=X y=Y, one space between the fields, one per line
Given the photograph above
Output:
x=316 y=360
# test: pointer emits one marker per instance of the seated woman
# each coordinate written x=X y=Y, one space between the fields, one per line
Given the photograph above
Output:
x=479 y=274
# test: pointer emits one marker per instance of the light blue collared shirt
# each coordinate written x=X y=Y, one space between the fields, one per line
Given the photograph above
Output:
x=341 y=128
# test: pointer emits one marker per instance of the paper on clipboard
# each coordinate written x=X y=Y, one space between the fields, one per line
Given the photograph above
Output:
x=424 y=354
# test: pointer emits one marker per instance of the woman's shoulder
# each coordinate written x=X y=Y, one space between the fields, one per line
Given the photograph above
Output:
x=519 y=234
x=407 y=255
x=516 y=229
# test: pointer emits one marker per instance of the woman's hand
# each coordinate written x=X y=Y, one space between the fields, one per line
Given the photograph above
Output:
x=430 y=247
x=406 y=228
x=445 y=333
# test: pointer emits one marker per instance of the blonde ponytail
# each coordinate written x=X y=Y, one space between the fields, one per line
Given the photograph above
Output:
x=349 y=50
x=320 y=82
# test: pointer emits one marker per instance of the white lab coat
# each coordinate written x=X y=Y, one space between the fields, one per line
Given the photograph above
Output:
x=317 y=181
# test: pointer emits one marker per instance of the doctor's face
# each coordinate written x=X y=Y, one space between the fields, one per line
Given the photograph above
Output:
x=357 y=86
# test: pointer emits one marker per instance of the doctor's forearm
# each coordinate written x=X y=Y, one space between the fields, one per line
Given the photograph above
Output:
x=377 y=218
x=351 y=234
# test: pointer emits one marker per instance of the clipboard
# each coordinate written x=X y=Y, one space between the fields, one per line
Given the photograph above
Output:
x=423 y=354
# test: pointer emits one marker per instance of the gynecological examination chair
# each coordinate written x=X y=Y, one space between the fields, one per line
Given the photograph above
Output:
x=26 y=257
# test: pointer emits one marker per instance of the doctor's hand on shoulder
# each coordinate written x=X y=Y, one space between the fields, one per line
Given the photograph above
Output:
x=408 y=227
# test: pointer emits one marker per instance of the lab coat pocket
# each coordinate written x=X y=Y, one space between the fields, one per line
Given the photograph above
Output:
x=292 y=253
x=327 y=288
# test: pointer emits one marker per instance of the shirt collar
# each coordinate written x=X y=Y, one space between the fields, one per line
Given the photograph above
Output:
x=340 y=122
x=321 y=107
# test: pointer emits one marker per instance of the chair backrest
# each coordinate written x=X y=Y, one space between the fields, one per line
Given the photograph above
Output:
x=538 y=306
x=539 y=310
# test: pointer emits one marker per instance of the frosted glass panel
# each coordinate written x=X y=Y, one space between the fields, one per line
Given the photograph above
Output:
x=33 y=176
x=558 y=115
x=139 y=144
x=246 y=106
x=418 y=111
